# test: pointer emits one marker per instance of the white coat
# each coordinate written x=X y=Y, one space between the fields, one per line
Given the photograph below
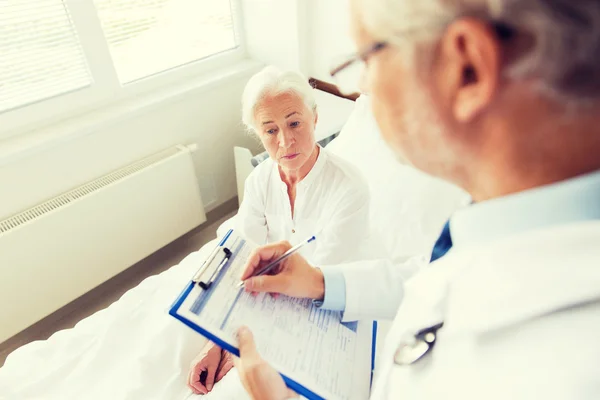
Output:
x=521 y=321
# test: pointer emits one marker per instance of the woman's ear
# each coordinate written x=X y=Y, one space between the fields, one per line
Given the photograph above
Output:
x=316 y=117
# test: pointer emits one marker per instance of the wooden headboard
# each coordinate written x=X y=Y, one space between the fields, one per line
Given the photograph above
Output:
x=331 y=88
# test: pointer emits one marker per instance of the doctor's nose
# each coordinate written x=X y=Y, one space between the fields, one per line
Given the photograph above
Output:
x=363 y=83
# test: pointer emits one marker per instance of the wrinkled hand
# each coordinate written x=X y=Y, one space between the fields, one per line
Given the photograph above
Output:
x=209 y=367
x=293 y=277
x=225 y=365
x=260 y=380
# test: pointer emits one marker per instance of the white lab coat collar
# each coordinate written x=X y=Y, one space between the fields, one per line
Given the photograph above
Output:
x=575 y=199
x=525 y=276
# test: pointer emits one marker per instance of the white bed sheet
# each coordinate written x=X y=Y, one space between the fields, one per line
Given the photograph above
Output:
x=132 y=350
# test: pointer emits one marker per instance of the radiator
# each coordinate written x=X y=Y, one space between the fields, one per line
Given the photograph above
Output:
x=56 y=251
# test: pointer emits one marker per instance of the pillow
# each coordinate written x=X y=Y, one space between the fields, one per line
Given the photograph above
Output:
x=257 y=159
x=408 y=207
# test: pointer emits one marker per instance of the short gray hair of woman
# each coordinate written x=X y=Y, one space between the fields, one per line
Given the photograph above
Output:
x=271 y=81
x=564 y=59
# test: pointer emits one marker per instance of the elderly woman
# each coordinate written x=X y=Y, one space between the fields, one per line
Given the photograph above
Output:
x=300 y=191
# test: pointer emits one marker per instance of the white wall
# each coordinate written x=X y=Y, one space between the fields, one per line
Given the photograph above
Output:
x=209 y=116
x=328 y=35
x=276 y=32
x=303 y=35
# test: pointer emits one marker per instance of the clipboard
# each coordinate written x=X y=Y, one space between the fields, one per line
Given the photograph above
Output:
x=212 y=274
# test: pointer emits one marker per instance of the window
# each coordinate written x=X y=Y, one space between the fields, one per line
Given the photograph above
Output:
x=41 y=54
x=63 y=55
x=150 y=36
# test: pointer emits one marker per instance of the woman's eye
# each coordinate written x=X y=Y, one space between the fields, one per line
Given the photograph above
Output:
x=272 y=131
x=295 y=124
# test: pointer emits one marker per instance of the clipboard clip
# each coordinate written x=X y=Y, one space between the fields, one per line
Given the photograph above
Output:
x=207 y=275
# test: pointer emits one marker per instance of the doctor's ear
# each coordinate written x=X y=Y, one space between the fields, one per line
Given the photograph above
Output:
x=469 y=71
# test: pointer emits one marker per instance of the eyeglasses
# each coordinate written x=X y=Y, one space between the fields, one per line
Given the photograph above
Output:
x=348 y=73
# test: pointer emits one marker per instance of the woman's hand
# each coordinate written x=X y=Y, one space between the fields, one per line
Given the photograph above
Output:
x=209 y=367
x=260 y=380
x=225 y=365
x=293 y=277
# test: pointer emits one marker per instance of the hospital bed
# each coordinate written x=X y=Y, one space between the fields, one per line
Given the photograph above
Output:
x=134 y=350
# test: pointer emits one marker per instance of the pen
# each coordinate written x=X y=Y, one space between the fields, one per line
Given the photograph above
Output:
x=285 y=255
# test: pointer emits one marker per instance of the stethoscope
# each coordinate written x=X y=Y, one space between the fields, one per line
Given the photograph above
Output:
x=409 y=352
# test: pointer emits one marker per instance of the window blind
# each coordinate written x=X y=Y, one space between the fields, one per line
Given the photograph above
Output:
x=40 y=53
x=146 y=37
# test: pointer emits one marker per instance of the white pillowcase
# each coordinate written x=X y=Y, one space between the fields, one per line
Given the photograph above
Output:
x=408 y=207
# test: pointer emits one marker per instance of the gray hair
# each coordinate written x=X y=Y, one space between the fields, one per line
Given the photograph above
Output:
x=564 y=59
x=271 y=82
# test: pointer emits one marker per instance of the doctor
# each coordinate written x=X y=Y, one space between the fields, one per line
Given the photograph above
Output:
x=502 y=98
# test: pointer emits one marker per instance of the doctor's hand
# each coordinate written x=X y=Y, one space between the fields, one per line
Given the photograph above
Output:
x=260 y=380
x=208 y=368
x=293 y=277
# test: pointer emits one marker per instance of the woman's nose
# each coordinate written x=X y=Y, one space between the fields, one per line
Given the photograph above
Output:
x=286 y=138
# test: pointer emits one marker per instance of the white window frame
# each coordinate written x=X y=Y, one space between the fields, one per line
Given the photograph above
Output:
x=106 y=88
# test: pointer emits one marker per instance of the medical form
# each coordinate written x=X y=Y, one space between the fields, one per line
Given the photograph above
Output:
x=317 y=354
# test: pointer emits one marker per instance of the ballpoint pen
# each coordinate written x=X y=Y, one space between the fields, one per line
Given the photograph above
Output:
x=285 y=255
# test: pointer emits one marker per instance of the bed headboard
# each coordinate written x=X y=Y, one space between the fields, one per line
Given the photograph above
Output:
x=331 y=88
